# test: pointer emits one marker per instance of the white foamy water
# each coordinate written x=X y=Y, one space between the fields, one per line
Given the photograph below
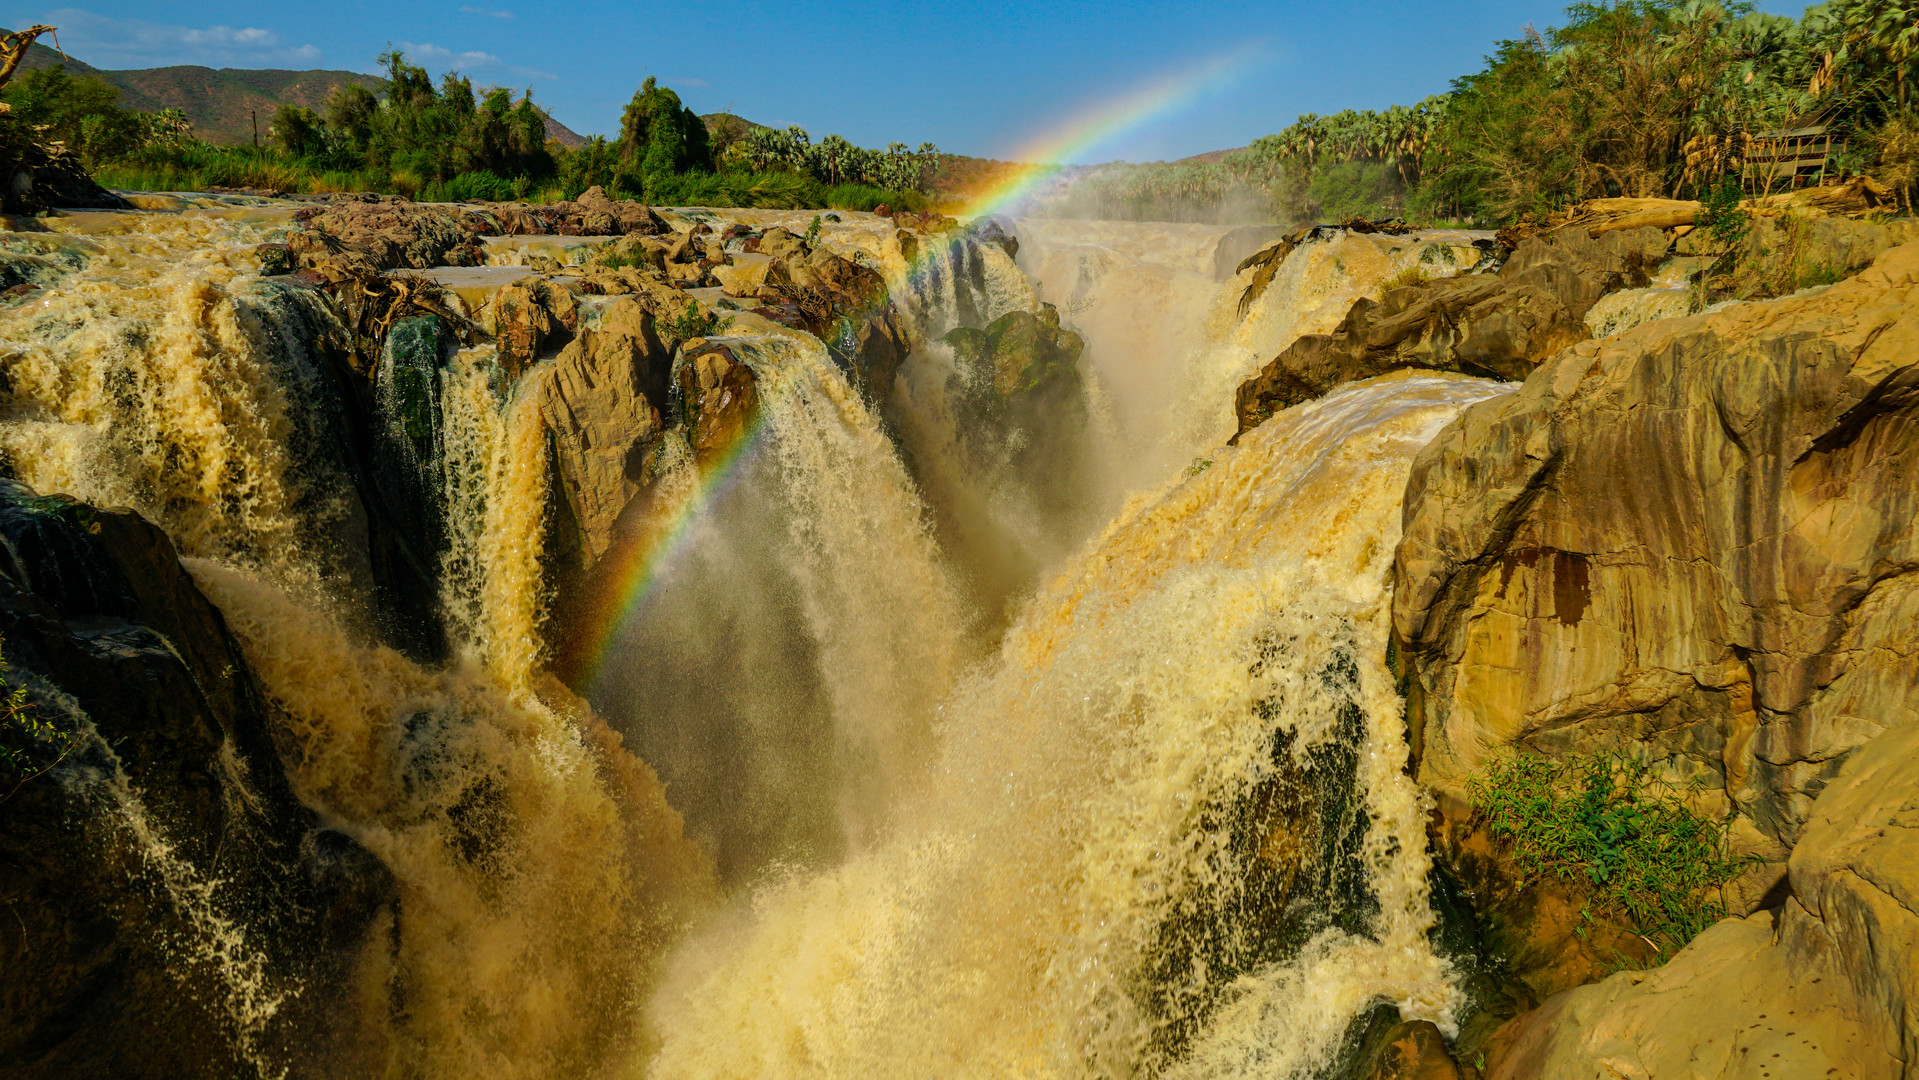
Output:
x=1076 y=805
x=1161 y=827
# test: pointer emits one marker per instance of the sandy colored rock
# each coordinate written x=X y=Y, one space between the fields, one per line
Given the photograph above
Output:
x=601 y=402
x=1692 y=539
x=530 y=317
x=1499 y=325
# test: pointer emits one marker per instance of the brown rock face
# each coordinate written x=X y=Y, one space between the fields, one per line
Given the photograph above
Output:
x=842 y=303
x=529 y=317
x=601 y=404
x=1415 y=1051
x=106 y=972
x=1695 y=539
x=1500 y=326
x=721 y=396
x=391 y=235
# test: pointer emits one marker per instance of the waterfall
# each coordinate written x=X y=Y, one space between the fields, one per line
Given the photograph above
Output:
x=1149 y=817
x=1048 y=904
x=163 y=376
x=784 y=658
x=1167 y=341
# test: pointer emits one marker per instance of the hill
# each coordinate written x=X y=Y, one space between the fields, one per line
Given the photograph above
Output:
x=223 y=103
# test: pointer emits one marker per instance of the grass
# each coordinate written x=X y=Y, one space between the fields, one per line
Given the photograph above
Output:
x=30 y=744
x=1415 y=274
x=1604 y=825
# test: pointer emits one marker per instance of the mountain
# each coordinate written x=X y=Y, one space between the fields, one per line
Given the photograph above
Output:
x=223 y=103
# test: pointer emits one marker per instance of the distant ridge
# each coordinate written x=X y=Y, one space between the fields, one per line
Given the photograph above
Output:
x=1210 y=157
x=221 y=103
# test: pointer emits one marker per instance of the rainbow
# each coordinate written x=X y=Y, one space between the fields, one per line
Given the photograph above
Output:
x=643 y=550
x=1087 y=133
x=629 y=574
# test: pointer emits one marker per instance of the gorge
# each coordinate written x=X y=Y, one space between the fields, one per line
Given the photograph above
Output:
x=592 y=639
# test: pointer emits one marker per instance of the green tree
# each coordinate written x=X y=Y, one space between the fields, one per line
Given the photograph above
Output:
x=660 y=135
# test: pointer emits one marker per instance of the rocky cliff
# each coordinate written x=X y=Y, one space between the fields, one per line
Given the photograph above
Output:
x=173 y=908
x=1693 y=543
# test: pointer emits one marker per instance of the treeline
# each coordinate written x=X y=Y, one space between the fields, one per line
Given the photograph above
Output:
x=1640 y=98
x=454 y=142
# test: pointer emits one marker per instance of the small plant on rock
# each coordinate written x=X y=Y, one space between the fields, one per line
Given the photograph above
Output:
x=30 y=744
x=1605 y=825
x=813 y=230
x=1411 y=275
x=1724 y=220
x=696 y=323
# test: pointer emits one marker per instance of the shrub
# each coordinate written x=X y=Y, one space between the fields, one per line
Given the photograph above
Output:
x=695 y=324
x=1412 y=275
x=1605 y=825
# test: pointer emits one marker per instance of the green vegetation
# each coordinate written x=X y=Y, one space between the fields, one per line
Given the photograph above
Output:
x=30 y=744
x=1637 y=98
x=1412 y=275
x=1606 y=826
x=694 y=324
x=454 y=143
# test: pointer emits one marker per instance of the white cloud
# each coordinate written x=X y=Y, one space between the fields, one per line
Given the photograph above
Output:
x=107 y=42
x=427 y=54
x=488 y=12
x=473 y=62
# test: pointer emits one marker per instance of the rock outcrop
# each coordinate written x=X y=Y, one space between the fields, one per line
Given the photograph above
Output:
x=602 y=402
x=390 y=235
x=530 y=318
x=1695 y=537
x=1693 y=543
x=1495 y=325
x=844 y=304
x=138 y=749
x=1020 y=354
x=721 y=396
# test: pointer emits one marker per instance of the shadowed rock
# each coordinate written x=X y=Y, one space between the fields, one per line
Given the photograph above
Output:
x=155 y=768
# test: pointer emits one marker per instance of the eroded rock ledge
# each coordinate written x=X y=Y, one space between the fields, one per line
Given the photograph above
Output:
x=1694 y=541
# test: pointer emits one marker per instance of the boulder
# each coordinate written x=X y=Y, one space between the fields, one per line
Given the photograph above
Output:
x=1414 y=1050
x=390 y=235
x=720 y=395
x=138 y=749
x=1822 y=985
x=844 y=304
x=531 y=317
x=601 y=402
x=35 y=178
x=1500 y=325
x=594 y=213
x=1691 y=540
x=1020 y=352
x=994 y=231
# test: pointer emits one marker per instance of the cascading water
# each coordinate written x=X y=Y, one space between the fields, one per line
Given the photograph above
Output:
x=1168 y=341
x=1026 y=918
x=538 y=866
x=797 y=633
x=1161 y=826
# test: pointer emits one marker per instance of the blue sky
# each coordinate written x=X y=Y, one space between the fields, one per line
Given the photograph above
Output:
x=979 y=78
